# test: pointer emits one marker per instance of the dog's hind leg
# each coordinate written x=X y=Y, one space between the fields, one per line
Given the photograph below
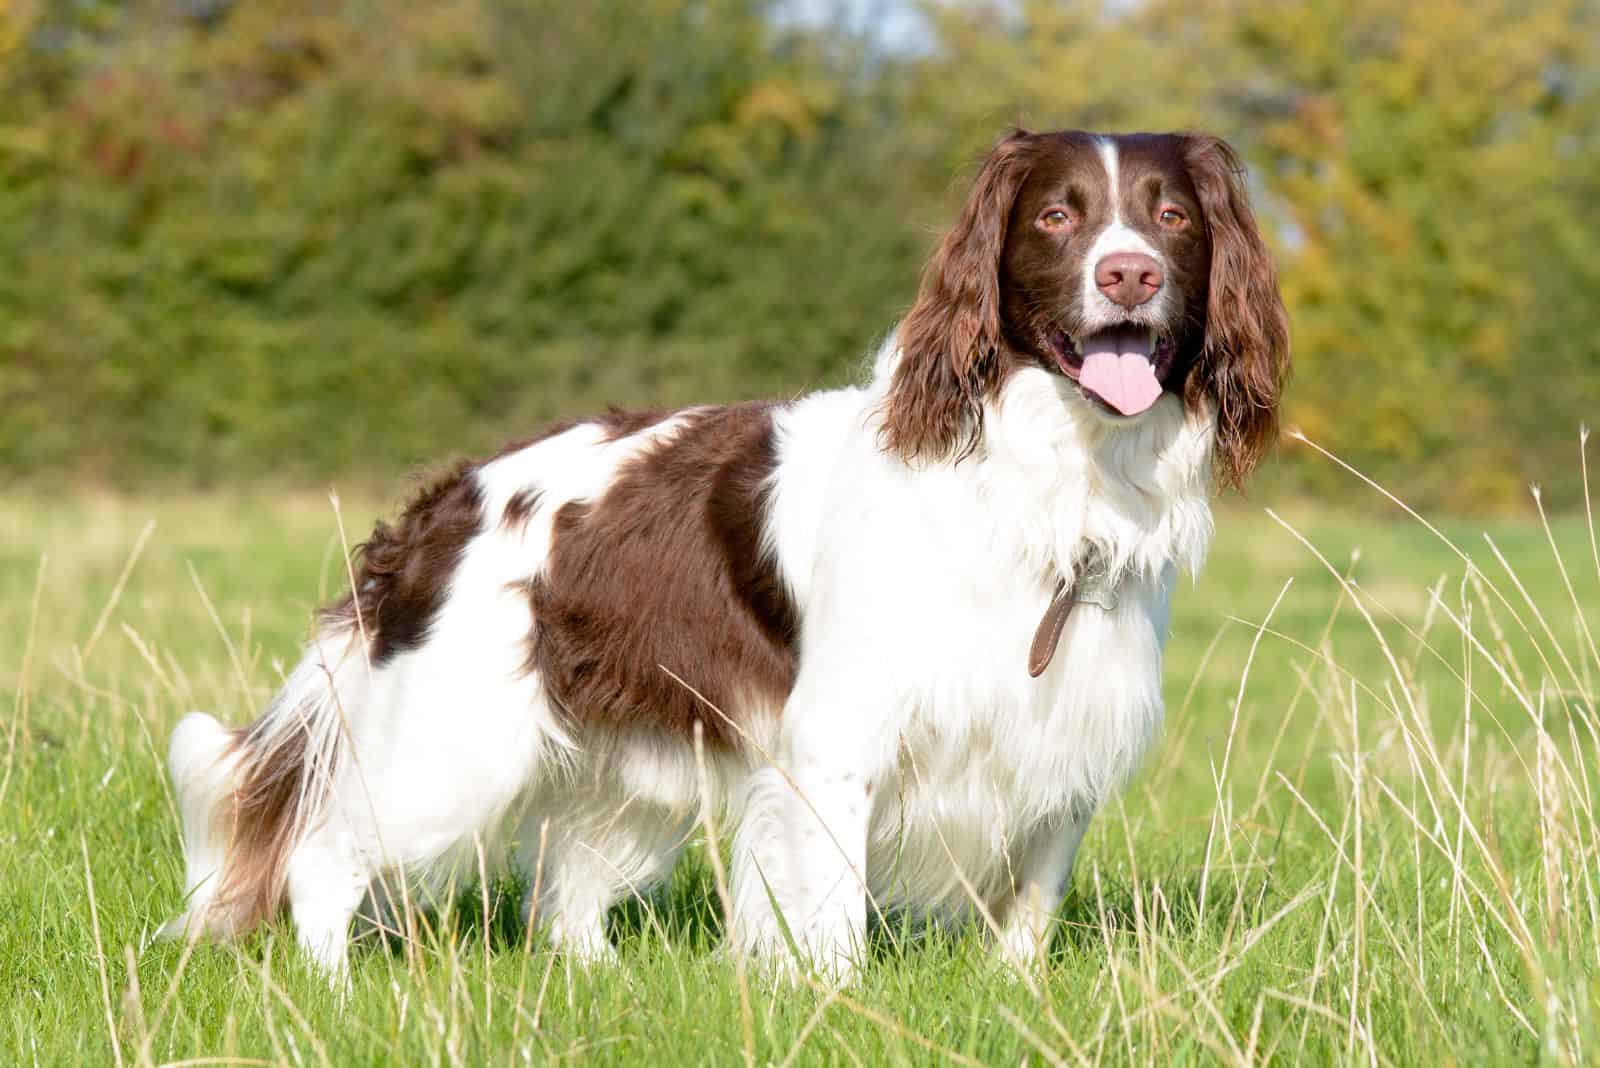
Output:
x=250 y=797
x=583 y=852
x=575 y=891
x=326 y=881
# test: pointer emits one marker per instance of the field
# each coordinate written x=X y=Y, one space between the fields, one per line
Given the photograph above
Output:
x=1368 y=835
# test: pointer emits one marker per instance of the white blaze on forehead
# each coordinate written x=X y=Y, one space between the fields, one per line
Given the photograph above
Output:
x=1108 y=156
x=1117 y=236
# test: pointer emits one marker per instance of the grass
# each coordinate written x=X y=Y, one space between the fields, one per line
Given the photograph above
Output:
x=1384 y=851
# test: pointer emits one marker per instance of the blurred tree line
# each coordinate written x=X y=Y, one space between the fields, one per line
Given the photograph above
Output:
x=304 y=239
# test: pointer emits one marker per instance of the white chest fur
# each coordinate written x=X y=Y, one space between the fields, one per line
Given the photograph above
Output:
x=921 y=588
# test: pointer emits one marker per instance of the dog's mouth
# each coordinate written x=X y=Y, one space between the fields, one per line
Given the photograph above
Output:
x=1119 y=367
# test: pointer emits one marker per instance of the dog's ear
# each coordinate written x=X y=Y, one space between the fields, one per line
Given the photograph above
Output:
x=950 y=341
x=1244 y=364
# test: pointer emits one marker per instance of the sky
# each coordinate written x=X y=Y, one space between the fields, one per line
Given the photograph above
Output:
x=897 y=25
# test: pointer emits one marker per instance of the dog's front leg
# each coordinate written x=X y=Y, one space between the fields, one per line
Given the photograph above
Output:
x=1042 y=872
x=829 y=848
x=800 y=860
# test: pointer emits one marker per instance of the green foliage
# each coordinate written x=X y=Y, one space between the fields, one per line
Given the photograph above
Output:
x=1419 y=166
x=304 y=243
x=304 y=239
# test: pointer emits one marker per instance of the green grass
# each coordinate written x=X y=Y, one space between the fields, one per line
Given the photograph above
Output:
x=1390 y=861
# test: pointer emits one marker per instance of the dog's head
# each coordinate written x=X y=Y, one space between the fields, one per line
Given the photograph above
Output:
x=1129 y=264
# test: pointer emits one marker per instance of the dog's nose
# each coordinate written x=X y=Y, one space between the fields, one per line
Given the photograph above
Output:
x=1129 y=278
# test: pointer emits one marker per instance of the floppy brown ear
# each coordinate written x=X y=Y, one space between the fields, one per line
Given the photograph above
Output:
x=1244 y=365
x=950 y=341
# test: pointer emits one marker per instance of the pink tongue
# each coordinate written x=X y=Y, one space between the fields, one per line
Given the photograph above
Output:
x=1126 y=381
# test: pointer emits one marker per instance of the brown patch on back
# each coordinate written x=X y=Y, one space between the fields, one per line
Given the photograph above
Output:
x=615 y=424
x=520 y=508
x=402 y=571
x=666 y=571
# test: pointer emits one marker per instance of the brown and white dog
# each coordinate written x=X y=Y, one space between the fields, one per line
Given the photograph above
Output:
x=841 y=622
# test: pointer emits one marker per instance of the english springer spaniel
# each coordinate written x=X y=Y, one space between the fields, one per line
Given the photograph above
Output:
x=904 y=638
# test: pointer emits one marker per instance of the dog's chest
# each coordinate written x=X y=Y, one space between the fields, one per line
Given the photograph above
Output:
x=992 y=758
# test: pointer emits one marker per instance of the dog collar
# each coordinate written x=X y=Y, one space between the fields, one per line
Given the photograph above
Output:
x=1090 y=585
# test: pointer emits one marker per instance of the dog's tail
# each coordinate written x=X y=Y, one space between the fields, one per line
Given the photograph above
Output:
x=247 y=797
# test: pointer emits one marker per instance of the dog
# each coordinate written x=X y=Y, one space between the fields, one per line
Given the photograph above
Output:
x=902 y=639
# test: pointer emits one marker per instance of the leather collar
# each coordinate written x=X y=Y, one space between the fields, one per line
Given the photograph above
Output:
x=1090 y=585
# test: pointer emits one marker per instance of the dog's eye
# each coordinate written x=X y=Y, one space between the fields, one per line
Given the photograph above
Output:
x=1055 y=219
x=1173 y=219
